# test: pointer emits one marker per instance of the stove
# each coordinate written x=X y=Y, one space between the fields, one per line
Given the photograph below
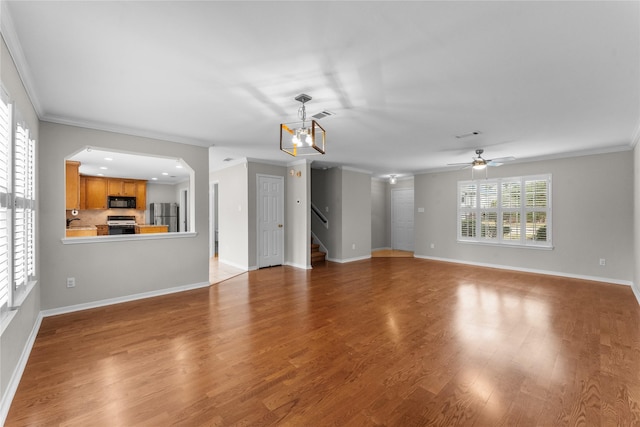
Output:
x=121 y=224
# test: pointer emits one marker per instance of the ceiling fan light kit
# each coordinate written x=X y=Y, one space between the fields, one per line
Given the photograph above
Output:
x=302 y=138
x=480 y=163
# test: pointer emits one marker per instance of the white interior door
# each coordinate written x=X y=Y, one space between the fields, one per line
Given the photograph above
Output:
x=402 y=219
x=270 y=220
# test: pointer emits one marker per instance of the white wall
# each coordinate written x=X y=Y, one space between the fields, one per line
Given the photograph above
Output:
x=110 y=269
x=161 y=193
x=356 y=215
x=380 y=221
x=298 y=214
x=344 y=197
x=636 y=221
x=233 y=215
x=592 y=218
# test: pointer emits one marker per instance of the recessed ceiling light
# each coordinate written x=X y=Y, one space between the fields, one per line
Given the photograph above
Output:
x=108 y=159
x=179 y=166
x=165 y=173
x=154 y=179
x=100 y=174
x=103 y=168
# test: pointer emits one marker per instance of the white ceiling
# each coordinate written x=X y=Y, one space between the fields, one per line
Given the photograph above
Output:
x=158 y=170
x=537 y=79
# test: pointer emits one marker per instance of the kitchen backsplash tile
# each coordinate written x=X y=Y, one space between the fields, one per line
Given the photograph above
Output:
x=97 y=217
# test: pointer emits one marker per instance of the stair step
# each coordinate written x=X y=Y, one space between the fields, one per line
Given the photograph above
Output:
x=317 y=256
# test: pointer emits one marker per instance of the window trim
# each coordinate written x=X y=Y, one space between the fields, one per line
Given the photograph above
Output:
x=522 y=209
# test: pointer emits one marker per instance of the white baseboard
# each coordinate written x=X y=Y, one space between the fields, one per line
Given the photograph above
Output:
x=531 y=270
x=118 y=300
x=382 y=249
x=302 y=266
x=12 y=386
x=345 y=260
x=636 y=292
x=233 y=264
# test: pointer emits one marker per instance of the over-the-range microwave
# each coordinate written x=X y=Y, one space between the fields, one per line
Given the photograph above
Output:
x=121 y=202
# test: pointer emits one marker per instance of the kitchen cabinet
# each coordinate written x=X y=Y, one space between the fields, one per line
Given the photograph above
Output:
x=81 y=232
x=122 y=187
x=148 y=229
x=72 y=176
x=95 y=191
x=103 y=229
x=141 y=195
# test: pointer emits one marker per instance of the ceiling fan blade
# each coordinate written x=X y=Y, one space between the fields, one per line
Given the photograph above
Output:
x=499 y=161
x=464 y=165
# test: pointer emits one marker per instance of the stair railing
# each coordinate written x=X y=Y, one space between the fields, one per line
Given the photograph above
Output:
x=320 y=216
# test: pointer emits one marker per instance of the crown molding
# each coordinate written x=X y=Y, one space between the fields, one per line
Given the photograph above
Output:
x=105 y=127
x=351 y=169
x=15 y=50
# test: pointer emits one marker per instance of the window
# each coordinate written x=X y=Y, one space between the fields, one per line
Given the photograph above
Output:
x=17 y=205
x=507 y=211
x=5 y=153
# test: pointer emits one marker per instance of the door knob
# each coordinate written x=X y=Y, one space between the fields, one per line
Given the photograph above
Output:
x=279 y=225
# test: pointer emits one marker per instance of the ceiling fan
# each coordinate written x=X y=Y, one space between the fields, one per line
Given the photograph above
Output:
x=479 y=163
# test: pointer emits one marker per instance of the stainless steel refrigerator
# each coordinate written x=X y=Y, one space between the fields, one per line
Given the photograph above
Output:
x=165 y=214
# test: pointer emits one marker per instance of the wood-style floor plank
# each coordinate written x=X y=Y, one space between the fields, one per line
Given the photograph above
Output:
x=385 y=341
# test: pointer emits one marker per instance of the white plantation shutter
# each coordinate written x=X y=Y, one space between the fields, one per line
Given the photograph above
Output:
x=5 y=155
x=508 y=211
x=24 y=207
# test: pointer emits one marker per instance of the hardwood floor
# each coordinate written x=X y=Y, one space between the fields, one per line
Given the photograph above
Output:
x=385 y=341
x=386 y=253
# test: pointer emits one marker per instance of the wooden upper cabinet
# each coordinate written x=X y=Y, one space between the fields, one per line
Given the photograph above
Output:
x=121 y=187
x=129 y=187
x=141 y=195
x=72 y=172
x=95 y=190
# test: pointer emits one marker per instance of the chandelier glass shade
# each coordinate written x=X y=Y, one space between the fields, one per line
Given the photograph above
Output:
x=302 y=138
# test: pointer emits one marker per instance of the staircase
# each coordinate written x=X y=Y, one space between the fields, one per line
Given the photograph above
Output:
x=317 y=257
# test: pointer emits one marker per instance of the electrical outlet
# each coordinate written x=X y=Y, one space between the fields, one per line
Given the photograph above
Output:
x=353 y=246
x=71 y=282
x=433 y=245
x=603 y=261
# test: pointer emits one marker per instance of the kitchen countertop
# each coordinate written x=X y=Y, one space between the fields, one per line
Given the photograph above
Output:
x=82 y=227
x=81 y=231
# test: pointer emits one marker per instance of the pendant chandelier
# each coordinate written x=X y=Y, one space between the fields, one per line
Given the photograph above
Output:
x=302 y=138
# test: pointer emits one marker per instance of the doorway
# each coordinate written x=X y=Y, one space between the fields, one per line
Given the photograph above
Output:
x=402 y=219
x=270 y=228
x=183 y=213
x=213 y=219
